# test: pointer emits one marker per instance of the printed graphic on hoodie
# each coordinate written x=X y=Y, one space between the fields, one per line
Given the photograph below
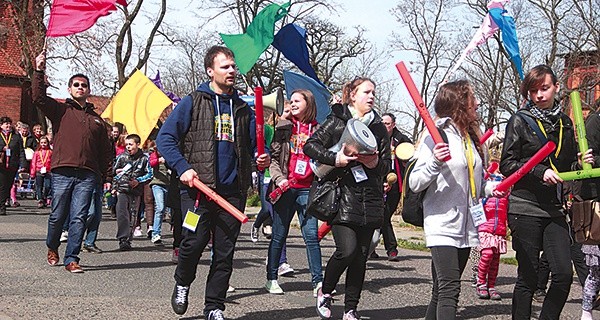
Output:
x=223 y=127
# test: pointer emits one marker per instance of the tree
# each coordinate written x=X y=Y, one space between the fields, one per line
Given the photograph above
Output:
x=426 y=36
x=116 y=46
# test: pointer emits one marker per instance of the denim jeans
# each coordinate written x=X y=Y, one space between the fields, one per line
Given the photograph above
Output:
x=224 y=229
x=43 y=185
x=530 y=235
x=447 y=266
x=72 y=190
x=159 y=192
x=292 y=201
x=266 y=213
x=94 y=216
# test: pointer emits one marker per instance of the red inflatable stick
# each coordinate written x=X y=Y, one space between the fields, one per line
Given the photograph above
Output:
x=491 y=169
x=260 y=122
x=323 y=230
x=212 y=195
x=279 y=191
x=486 y=136
x=421 y=107
x=526 y=168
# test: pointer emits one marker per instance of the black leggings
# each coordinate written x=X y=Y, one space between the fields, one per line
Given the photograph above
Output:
x=351 y=247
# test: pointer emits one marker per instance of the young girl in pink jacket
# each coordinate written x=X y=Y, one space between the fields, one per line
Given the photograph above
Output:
x=492 y=243
x=40 y=170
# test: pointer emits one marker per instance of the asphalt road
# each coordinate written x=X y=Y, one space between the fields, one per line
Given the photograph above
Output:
x=138 y=284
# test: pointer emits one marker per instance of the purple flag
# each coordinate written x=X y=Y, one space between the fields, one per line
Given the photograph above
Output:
x=159 y=84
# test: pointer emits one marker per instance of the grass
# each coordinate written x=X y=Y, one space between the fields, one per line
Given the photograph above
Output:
x=412 y=245
x=509 y=260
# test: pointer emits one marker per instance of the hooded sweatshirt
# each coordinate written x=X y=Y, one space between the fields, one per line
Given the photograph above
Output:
x=178 y=124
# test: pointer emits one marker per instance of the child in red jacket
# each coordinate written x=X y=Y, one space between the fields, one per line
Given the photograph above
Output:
x=40 y=170
x=492 y=243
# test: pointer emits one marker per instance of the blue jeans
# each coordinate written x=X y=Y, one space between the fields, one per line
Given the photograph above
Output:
x=43 y=185
x=94 y=216
x=266 y=211
x=292 y=201
x=72 y=190
x=160 y=193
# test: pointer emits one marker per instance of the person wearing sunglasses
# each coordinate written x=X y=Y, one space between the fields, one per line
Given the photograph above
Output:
x=82 y=158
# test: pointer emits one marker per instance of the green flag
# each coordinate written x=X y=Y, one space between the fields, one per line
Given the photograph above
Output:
x=248 y=46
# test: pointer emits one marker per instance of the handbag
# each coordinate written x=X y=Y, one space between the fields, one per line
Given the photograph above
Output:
x=586 y=221
x=323 y=199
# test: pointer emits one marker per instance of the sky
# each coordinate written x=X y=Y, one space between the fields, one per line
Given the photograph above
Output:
x=378 y=31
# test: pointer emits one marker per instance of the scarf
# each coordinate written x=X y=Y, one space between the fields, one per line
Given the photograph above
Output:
x=366 y=118
x=549 y=116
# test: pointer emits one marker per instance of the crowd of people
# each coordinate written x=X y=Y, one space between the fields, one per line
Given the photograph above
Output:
x=83 y=163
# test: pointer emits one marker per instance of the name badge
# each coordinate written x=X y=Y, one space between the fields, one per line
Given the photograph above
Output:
x=191 y=221
x=301 y=167
x=359 y=174
x=478 y=214
x=43 y=170
x=7 y=151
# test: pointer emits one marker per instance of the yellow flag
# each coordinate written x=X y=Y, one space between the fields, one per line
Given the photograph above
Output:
x=138 y=105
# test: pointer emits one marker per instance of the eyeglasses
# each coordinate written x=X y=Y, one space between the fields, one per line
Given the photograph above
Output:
x=77 y=84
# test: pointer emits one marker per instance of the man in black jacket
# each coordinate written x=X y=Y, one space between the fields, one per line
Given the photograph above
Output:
x=393 y=191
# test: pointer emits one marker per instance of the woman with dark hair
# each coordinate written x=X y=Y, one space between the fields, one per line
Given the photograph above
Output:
x=451 y=206
x=289 y=168
x=12 y=159
x=360 y=178
x=536 y=216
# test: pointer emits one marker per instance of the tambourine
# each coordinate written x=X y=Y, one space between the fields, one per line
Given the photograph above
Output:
x=405 y=151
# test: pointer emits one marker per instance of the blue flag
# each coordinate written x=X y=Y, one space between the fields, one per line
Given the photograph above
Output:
x=295 y=81
x=506 y=23
x=291 y=41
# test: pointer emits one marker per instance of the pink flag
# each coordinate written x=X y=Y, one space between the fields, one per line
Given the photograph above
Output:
x=485 y=31
x=69 y=17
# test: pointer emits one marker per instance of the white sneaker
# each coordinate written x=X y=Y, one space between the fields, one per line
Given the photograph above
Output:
x=230 y=289
x=156 y=239
x=254 y=234
x=273 y=287
x=64 y=236
x=324 y=302
x=351 y=315
x=316 y=289
x=137 y=232
x=285 y=270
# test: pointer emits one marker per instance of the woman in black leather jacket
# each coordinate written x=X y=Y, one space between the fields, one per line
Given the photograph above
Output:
x=361 y=204
x=536 y=216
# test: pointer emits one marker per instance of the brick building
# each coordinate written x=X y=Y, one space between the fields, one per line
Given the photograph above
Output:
x=583 y=70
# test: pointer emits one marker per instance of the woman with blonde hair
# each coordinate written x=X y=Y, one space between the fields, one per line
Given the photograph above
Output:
x=360 y=179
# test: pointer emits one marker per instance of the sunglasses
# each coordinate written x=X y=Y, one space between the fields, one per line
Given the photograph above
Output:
x=77 y=84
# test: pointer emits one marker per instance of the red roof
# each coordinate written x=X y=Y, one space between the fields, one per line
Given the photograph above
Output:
x=10 y=49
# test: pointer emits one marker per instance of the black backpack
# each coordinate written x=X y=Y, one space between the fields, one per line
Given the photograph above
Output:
x=412 y=202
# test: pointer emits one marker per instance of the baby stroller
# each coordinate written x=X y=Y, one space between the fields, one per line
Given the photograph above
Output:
x=25 y=186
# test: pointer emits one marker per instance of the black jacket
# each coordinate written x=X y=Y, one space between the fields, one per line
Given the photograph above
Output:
x=361 y=203
x=521 y=143
x=17 y=154
x=590 y=187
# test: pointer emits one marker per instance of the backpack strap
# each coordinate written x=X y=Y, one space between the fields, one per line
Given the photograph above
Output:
x=537 y=131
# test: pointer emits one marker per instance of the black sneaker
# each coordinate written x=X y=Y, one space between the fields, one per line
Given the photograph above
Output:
x=124 y=245
x=179 y=299
x=92 y=249
x=215 y=314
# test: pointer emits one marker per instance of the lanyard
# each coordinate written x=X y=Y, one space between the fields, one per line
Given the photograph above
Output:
x=470 y=165
x=6 y=142
x=197 y=202
x=297 y=147
x=24 y=142
x=44 y=158
x=560 y=136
